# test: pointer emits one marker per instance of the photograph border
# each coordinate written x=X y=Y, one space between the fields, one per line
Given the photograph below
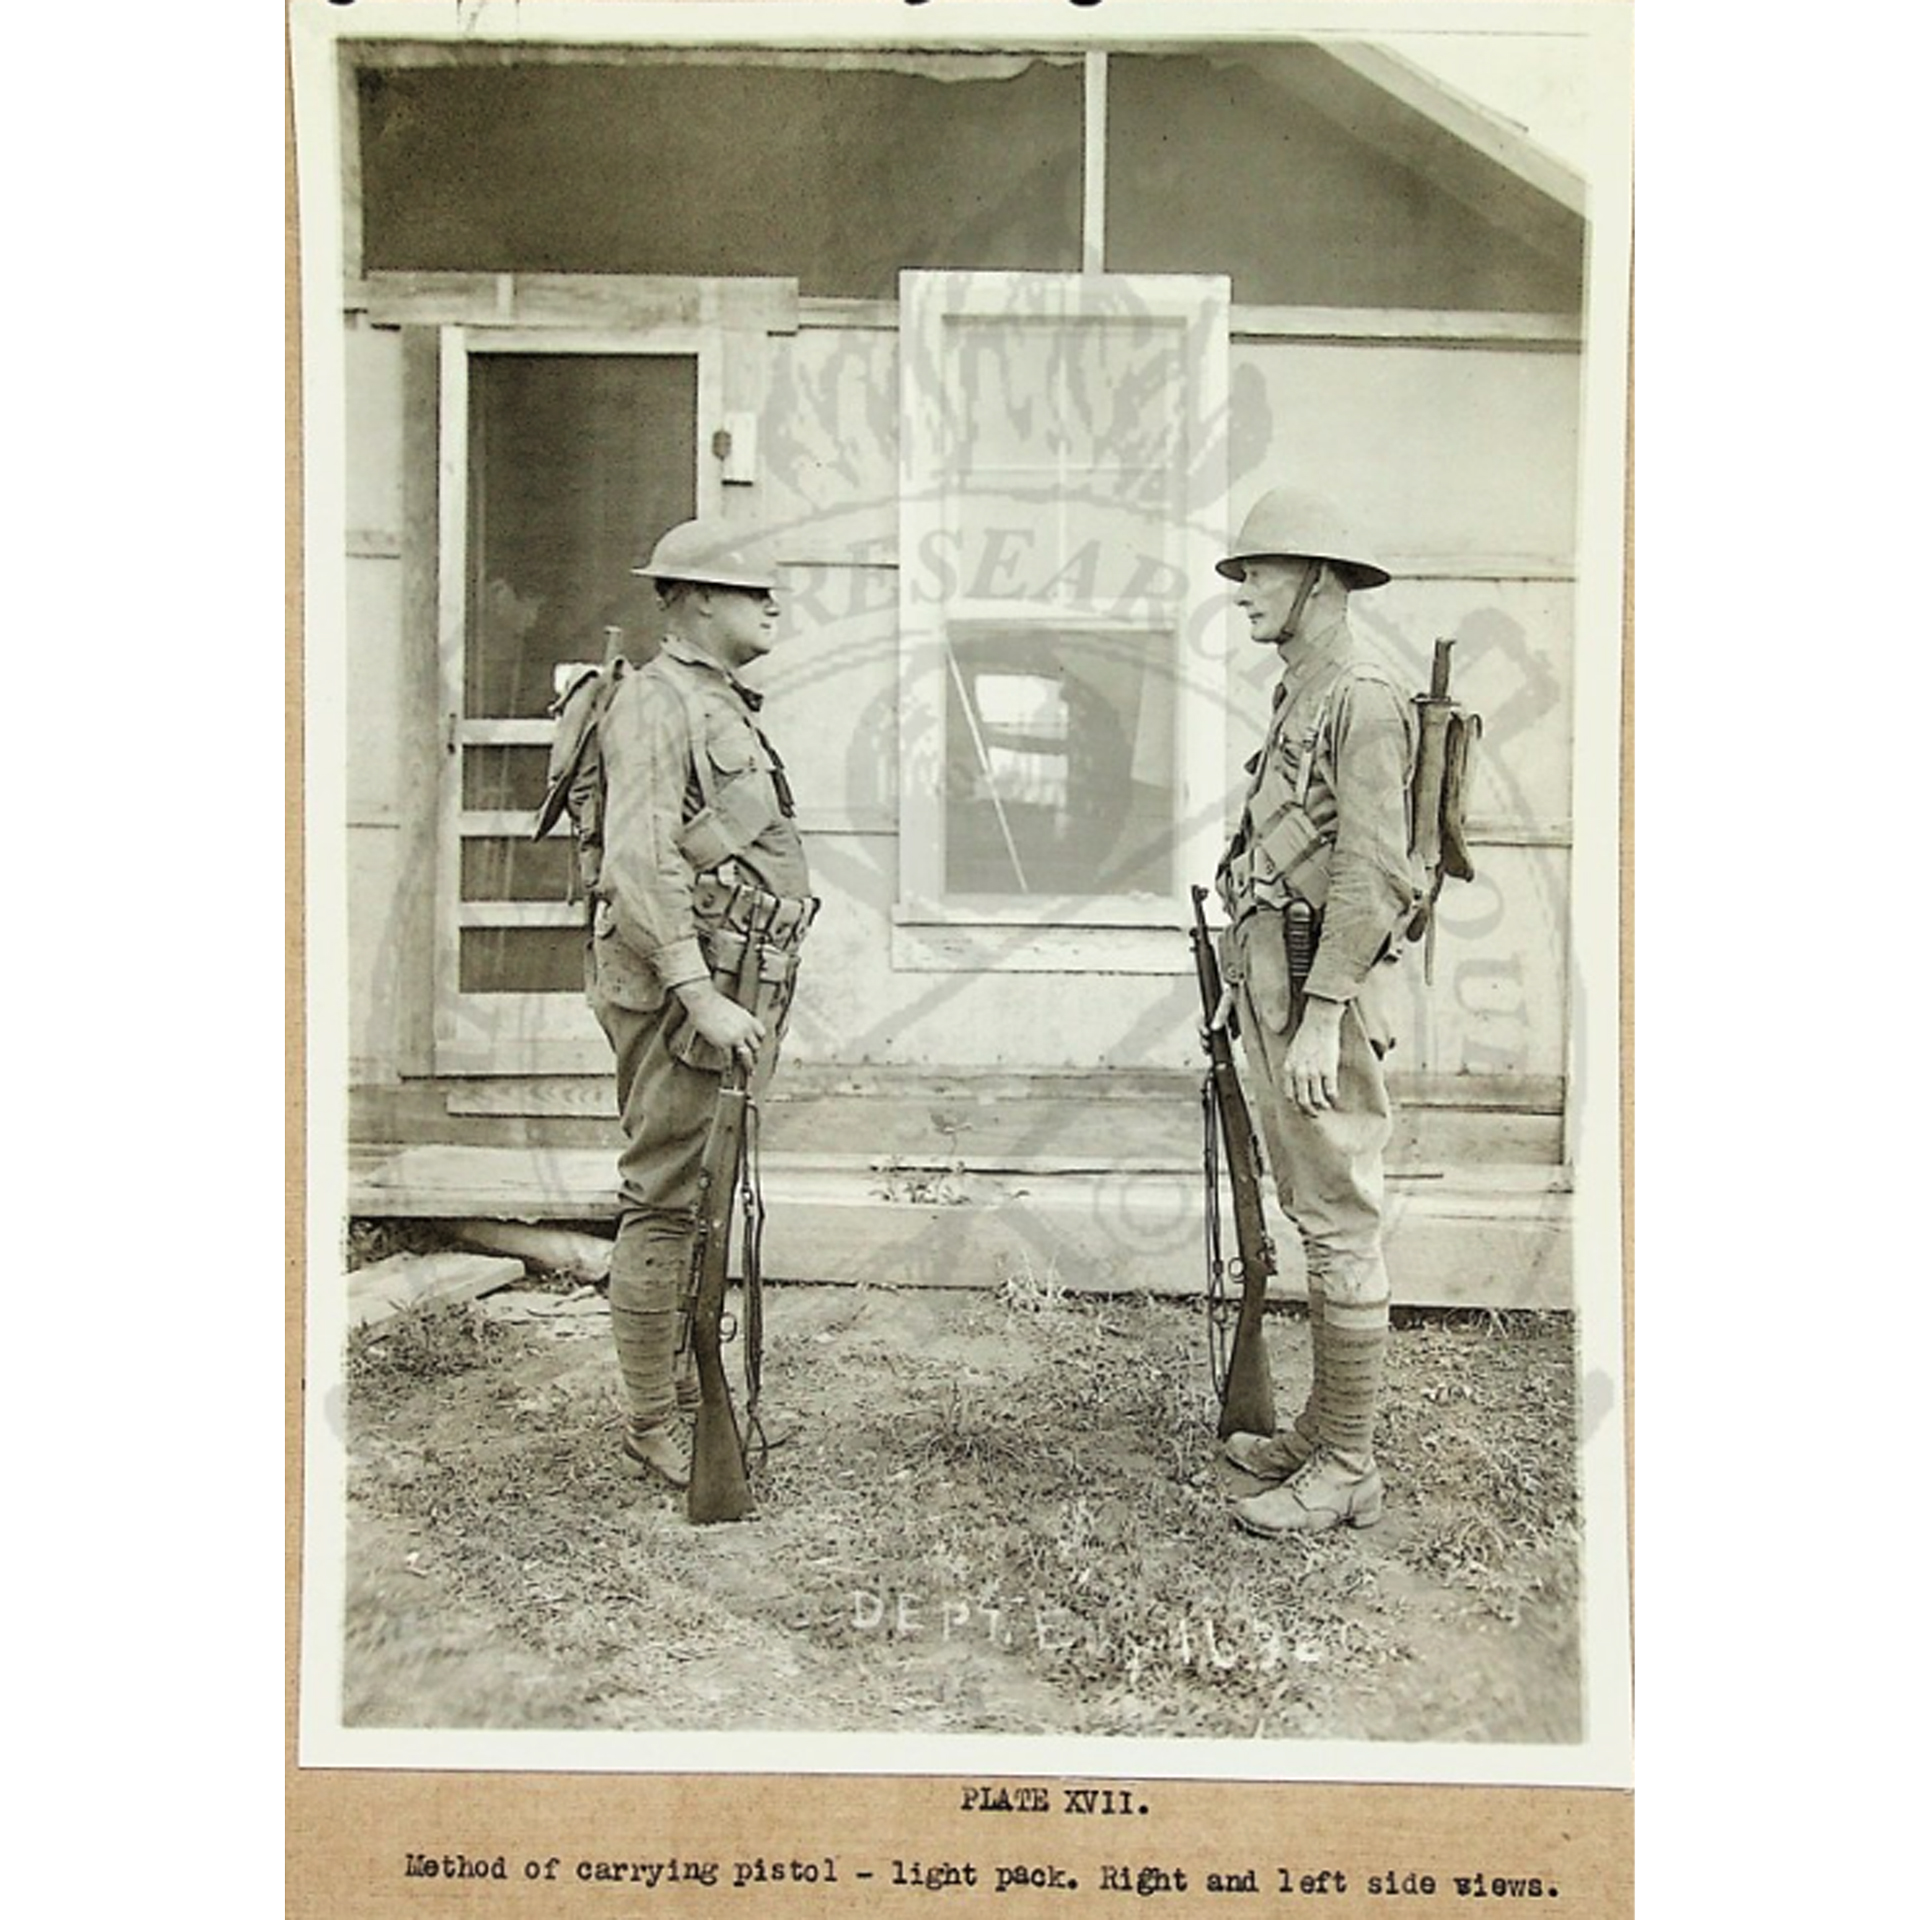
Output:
x=1596 y=1113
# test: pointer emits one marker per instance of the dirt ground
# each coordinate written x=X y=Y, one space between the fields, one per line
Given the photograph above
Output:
x=983 y=1512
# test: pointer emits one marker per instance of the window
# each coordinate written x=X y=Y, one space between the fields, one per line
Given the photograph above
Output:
x=1063 y=499
x=1059 y=760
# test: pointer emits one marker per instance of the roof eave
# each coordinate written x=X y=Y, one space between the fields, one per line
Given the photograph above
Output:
x=1501 y=141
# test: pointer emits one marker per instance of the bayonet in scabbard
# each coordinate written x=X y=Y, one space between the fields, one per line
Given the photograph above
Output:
x=1442 y=773
x=1436 y=708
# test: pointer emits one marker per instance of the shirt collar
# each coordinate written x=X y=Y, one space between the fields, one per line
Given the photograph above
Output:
x=691 y=656
x=1305 y=660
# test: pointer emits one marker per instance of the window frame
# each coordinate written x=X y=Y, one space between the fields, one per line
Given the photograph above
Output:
x=933 y=931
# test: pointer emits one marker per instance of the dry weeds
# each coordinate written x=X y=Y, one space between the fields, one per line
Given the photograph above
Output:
x=991 y=1512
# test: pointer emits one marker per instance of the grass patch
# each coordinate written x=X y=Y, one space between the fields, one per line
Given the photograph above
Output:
x=995 y=1513
x=433 y=1342
x=1068 y=1518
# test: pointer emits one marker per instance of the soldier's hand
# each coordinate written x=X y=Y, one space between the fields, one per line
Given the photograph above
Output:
x=1312 y=1070
x=721 y=1022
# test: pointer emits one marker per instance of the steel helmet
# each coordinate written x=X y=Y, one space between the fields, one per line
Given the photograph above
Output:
x=1289 y=523
x=707 y=553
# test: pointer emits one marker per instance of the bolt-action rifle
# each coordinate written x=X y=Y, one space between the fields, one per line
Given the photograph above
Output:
x=717 y=1488
x=1245 y=1383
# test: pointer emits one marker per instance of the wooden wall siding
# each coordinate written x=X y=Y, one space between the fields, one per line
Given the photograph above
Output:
x=375 y=708
x=1403 y=426
x=830 y=446
x=1451 y=454
x=380 y=963
x=373 y=374
x=853 y=1007
x=1447 y=489
x=832 y=688
x=572 y=300
x=392 y=761
x=1495 y=1008
x=376 y=699
x=375 y=702
x=1498 y=1002
x=418 y=641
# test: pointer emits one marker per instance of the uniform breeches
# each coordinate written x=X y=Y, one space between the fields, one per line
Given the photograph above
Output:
x=666 y=1114
x=1328 y=1168
x=666 y=1110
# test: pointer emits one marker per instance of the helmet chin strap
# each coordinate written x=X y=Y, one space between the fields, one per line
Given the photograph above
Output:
x=1309 y=582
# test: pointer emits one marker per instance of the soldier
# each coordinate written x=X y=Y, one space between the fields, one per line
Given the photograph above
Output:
x=700 y=848
x=1318 y=886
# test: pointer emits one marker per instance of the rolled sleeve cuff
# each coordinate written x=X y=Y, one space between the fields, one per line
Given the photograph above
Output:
x=1325 y=984
x=680 y=963
x=1340 y=969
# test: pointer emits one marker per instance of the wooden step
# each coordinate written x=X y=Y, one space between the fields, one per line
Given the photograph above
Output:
x=1489 y=1236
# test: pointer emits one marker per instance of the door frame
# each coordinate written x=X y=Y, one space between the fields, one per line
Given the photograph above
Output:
x=486 y=1033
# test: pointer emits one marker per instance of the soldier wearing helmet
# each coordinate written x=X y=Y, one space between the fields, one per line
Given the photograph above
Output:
x=1318 y=885
x=699 y=842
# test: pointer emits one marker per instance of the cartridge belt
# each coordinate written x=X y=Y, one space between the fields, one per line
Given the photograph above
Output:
x=730 y=909
x=1245 y=892
x=726 y=953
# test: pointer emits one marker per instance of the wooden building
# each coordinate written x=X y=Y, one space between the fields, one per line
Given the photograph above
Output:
x=994 y=348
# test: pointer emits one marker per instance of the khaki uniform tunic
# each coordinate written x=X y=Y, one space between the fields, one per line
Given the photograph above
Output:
x=645 y=931
x=693 y=789
x=1326 y=820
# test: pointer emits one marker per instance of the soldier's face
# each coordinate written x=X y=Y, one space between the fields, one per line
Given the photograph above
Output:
x=1266 y=596
x=744 y=621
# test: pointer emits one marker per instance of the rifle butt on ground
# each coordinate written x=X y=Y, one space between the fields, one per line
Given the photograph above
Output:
x=1246 y=1401
x=717 y=1489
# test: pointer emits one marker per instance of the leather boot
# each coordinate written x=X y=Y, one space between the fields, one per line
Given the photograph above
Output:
x=1328 y=1490
x=1277 y=1459
x=657 y=1446
x=1339 y=1482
